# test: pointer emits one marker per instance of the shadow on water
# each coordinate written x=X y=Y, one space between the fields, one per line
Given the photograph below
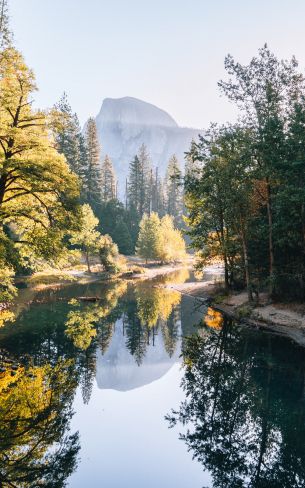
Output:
x=242 y=416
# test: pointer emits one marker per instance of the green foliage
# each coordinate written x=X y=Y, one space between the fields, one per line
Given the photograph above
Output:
x=68 y=136
x=246 y=204
x=92 y=174
x=149 y=240
x=108 y=180
x=139 y=184
x=89 y=239
x=119 y=223
x=38 y=192
x=7 y=289
x=108 y=252
x=174 y=190
x=80 y=326
x=35 y=411
x=159 y=240
x=122 y=237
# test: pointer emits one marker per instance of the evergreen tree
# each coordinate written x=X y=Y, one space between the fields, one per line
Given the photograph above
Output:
x=161 y=198
x=192 y=162
x=108 y=180
x=174 y=190
x=261 y=90
x=106 y=330
x=93 y=177
x=5 y=33
x=121 y=236
x=136 y=334
x=69 y=140
x=158 y=204
x=145 y=180
x=140 y=182
x=88 y=373
x=149 y=240
x=133 y=189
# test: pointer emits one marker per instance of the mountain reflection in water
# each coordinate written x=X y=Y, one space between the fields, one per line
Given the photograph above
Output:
x=85 y=385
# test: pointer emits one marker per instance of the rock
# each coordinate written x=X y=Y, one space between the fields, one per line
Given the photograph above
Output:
x=124 y=124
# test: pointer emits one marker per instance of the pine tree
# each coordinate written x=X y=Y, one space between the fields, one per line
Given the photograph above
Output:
x=139 y=185
x=121 y=236
x=161 y=198
x=133 y=197
x=192 y=163
x=93 y=170
x=69 y=139
x=145 y=180
x=174 y=193
x=149 y=240
x=5 y=33
x=108 y=180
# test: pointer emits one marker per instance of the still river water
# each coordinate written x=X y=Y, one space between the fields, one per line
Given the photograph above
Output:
x=146 y=389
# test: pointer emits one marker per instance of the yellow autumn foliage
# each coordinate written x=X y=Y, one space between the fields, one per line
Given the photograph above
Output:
x=213 y=319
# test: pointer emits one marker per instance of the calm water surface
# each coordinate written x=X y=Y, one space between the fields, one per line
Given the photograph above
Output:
x=145 y=388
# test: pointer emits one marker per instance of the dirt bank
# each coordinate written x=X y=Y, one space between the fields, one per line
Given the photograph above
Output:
x=284 y=319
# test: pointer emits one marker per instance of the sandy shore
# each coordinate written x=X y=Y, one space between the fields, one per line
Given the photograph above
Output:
x=284 y=319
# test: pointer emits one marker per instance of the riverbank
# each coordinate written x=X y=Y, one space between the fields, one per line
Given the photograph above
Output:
x=134 y=269
x=287 y=319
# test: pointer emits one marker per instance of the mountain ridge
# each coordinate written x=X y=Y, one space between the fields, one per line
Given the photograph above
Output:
x=124 y=124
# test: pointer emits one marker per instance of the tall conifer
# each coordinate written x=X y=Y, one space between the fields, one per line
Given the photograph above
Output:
x=108 y=180
x=93 y=177
x=174 y=192
x=5 y=32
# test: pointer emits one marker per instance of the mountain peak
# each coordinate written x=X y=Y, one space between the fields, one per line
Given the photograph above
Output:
x=129 y=110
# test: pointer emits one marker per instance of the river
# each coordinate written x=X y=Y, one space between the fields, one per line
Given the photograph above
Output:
x=143 y=387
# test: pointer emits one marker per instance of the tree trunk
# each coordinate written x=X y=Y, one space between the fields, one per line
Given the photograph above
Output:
x=246 y=262
x=303 y=245
x=270 y=238
x=87 y=261
x=2 y=188
x=225 y=257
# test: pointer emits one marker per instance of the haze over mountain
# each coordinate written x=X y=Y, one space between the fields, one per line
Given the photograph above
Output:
x=125 y=123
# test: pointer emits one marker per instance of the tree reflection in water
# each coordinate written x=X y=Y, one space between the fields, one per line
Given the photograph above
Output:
x=35 y=410
x=244 y=407
x=50 y=350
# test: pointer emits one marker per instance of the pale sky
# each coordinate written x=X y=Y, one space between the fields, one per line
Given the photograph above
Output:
x=166 y=52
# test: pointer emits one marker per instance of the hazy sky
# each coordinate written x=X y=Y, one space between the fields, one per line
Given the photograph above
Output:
x=167 y=52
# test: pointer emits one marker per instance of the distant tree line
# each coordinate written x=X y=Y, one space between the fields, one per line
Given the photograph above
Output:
x=145 y=191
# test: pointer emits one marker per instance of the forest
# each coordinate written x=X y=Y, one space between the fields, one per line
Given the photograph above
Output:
x=59 y=201
x=240 y=198
x=246 y=199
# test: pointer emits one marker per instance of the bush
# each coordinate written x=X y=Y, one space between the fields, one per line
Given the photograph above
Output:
x=7 y=288
x=108 y=252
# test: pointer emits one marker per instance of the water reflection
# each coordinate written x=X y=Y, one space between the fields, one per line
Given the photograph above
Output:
x=35 y=411
x=242 y=414
x=60 y=342
x=244 y=407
